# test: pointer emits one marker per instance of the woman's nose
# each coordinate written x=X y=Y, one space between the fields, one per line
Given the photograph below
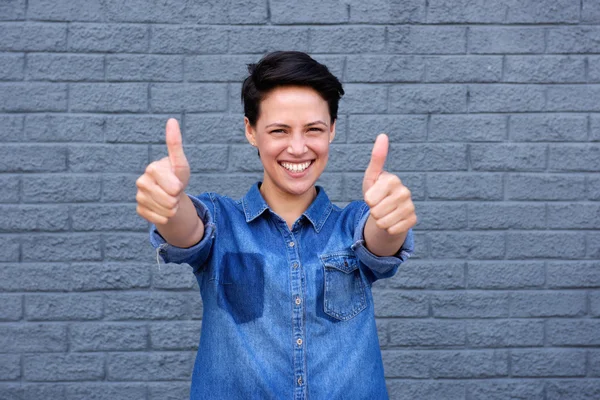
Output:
x=297 y=145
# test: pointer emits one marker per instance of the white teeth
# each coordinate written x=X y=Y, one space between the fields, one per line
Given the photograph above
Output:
x=295 y=167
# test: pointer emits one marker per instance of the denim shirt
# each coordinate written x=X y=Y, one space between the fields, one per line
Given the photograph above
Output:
x=288 y=314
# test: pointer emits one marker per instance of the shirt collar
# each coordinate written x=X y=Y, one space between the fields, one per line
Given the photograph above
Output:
x=316 y=213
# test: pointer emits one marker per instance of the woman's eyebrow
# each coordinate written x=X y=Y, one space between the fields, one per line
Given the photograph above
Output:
x=287 y=126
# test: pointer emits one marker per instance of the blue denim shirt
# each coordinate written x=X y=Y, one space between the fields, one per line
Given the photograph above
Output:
x=288 y=314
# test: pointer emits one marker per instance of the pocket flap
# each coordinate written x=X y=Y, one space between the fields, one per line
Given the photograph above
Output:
x=343 y=262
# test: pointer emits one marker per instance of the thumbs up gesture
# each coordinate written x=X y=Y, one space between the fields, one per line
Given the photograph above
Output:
x=161 y=186
x=389 y=200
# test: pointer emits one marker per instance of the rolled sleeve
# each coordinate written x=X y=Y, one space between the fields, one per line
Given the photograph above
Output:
x=382 y=267
x=196 y=255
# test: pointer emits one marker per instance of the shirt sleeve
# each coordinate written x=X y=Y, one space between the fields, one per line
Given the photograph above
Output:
x=196 y=255
x=381 y=267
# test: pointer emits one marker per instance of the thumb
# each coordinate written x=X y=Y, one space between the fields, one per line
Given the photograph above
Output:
x=378 y=156
x=174 y=146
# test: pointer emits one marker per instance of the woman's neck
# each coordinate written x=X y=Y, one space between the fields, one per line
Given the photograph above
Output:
x=288 y=206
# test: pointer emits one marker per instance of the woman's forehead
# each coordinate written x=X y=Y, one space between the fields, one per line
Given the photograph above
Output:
x=294 y=102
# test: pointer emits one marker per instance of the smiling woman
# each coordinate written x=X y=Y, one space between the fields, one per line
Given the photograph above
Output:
x=285 y=275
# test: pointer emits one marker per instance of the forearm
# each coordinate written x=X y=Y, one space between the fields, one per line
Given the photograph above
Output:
x=185 y=228
x=379 y=241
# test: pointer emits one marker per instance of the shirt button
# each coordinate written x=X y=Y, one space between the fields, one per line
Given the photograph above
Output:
x=292 y=244
x=295 y=265
x=299 y=381
x=298 y=300
x=299 y=342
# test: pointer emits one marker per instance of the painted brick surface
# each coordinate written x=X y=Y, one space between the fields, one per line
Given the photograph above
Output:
x=492 y=109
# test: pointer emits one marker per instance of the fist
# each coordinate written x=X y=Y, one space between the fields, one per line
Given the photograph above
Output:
x=160 y=188
x=389 y=200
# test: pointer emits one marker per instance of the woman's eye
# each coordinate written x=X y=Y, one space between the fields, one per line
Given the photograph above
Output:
x=278 y=131
x=316 y=129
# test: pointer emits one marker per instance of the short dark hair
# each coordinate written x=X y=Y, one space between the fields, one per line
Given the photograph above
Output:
x=288 y=68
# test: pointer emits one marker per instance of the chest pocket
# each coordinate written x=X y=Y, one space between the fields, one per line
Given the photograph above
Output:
x=344 y=294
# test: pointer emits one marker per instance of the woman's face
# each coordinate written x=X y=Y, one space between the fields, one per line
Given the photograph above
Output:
x=292 y=134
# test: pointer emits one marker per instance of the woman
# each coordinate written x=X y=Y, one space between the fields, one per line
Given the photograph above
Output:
x=285 y=276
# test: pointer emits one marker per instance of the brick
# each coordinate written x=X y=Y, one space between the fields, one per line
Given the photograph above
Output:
x=259 y=39
x=175 y=335
x=34 y=277
x=128 y=246
x=10 y=188
x=547 y=304
x=309 y=12
x=469 y=305
x=546 y=11
x=461 y=11
x=214 y=128
x=506 y=40
x=65 y=67
x=469 y=245
x=61 y=247
x=426 y=333
x=593 y=187
x=463 y=186
x=545 y=187
x=382 y=334
x=108 y=276
x=593 y=355
x=399 y=128
x=12 y=308
x=467 y=128
x=234 y=103
x=573 y=274
x=227 y=12
x=63 y=307
x=11 y=128
x=33 y=97
x=12 y=10
x=33 y=158
x=493 y=215
x=594 y=128
x=580 y=389
x=105 y=391
x=542 y=69
x=505 y=98
x=545 y=245
x=173 y=277
x=66 y=11
x=109 y=97
x=573 y=39
x=61 y=188
x=548 y=128
x=109 y=38
x=421 y=99
x=386 y=68
x=548 y=363
x=33 y=36
x=505 y=275
x=144 y=68
x=347 y=39
x=33 y=218
x=168 y=390
x=464 y=69
x=222 y=68
x=508 y=157
x=106 y=218
x=35 y=390
x=425 y=389
x=136 y=129
x=573 y=98
x=10 y=367
x=574 y=157
x=173 y=39
x=196 y=306
x=419 y=274
x=593 y=244
x=30 y=338
x=405 y=364
x=108 y=158
x=364 y=99
x=12 y=67
x=400 y=304
x=11 y=247
x=505 y=333
x=490 y=390
x=434 y=216
x=108 y=337
x=387 y=11
x=594 y=303
x=593 y=68
x=155 y=305
x=63 y=367
x=64 y=128
x=571 y=216
x=573 y=332
x=427 y=39
x=202 y=158
x=590 y=11
x=119 y=188
x=469 y=364
x=150 y=366
x=195 y=97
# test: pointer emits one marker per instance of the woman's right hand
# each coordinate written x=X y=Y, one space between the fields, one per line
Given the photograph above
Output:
x=162 y=185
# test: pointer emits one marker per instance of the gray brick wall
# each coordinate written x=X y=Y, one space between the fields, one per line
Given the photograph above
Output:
x=492 y=107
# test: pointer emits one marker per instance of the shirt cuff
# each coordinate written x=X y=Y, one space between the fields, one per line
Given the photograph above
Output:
x=382 y=266
x=195 y=255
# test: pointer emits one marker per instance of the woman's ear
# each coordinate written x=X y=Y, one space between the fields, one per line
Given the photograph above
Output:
x=250 y=133
x=332 y=131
